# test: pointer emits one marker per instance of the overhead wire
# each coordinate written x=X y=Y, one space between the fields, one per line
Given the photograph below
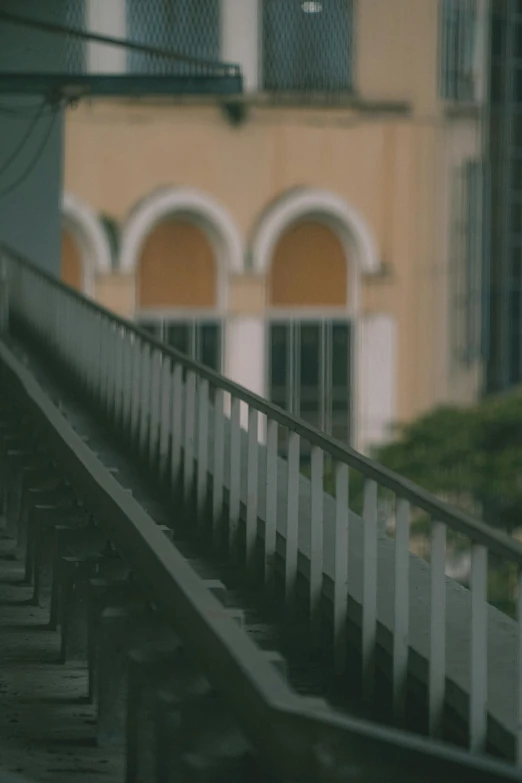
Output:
x=24 y=110
x=34 y=160
x=11 y=158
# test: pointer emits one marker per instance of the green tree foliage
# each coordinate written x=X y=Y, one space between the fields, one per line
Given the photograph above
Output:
x=472 y=457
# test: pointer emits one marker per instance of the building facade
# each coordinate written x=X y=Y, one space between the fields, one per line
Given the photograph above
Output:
x=319 y=238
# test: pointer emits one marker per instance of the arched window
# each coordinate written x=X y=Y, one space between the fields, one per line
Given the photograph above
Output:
x=187 y=26
x=310 y=329
x=177 y=290
x=307 y=45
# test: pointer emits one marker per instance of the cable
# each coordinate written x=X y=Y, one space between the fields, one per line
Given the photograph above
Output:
x=25 y=138
x=33 y=162
x=73 y=32
x=24 y=111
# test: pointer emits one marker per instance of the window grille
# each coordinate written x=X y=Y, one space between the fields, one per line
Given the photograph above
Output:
x=75 y=48
x=190 y=27
x=308 y=46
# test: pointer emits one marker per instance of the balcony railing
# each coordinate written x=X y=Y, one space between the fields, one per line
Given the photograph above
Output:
x=143 y=67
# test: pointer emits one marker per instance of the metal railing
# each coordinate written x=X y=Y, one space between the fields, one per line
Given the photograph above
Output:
x=186 y=422
x=151 y=66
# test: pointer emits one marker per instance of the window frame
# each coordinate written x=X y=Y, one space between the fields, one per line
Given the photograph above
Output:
x=292 y=318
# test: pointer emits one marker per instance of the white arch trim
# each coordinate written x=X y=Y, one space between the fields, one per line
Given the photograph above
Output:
x=86 y=223
x=322 y=205
x=92 y=240
x=195 y=206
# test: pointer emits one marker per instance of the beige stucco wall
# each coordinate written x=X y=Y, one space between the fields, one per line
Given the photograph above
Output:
x=397 y=51
x=117 y=153
x=116 y=292
x=246 y=295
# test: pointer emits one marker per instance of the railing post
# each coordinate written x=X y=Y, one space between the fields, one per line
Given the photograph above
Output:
x=4 y=296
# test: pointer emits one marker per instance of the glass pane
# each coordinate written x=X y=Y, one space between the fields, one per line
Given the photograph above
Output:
x=341 y=382
x=341 y=348
x=279 y=364
x=210 y=346
x=309 y=393
x=178 y=335
x=307 y=45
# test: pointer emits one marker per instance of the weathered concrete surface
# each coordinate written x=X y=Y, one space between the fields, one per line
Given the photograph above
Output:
x=47 y=731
